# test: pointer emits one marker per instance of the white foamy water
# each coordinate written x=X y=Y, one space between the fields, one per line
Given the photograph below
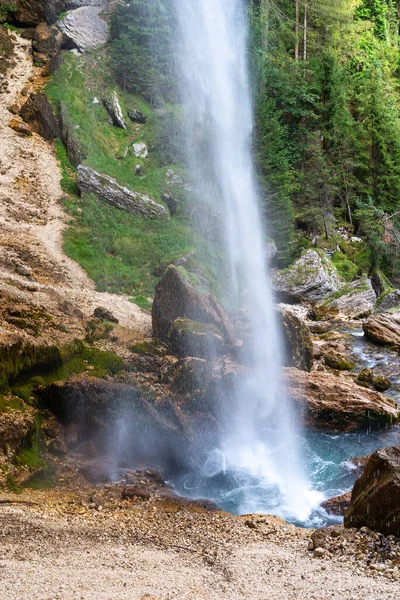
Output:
x=216 y=92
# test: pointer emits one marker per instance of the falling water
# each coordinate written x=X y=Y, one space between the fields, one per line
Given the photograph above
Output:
x=261 y=436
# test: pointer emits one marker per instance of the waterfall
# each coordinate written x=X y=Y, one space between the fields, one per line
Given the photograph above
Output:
x=261 y=436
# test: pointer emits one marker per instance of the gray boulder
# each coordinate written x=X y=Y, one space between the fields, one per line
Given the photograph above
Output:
x=357 y=301
x=201 y=340
x=310 y=278
x=114 y=110
x=391 y=300
x=85 y=28
x=108 y=189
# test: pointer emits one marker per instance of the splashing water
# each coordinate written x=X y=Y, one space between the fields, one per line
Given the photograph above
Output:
x=215 y=89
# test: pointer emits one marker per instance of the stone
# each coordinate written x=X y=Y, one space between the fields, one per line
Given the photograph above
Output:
x=114 y=109
x=178 y=296
x=319 y=326
x=382 y=383
x=20 y=127
x=375 y=499
x=366 y=375
x=45 y=40
x=331 y=402
x=38 y=113
x=357 y=300
x=171 y=202
x=104 y=315
x=75 y=153
x=338 y=361
x=319 y=552
x=310 y=279
x=384 y=329
x=136 y=116
x=138 y=170
x=140 y=150
x=336 y=506
x=85 y=28
x=297 y=340
x=388 y=301
x=189 y=338
x=108 y=189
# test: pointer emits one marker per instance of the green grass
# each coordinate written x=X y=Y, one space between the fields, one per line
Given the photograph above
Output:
x=122 y=253
x=142 y=302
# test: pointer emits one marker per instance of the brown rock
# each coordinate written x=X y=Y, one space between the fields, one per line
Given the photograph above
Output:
x=384 y=329
x=38 y=112
x=177 y=296
x=334 y=403
x=337 y=505
x=189 y=338
x=375 y=500
x=20 y=127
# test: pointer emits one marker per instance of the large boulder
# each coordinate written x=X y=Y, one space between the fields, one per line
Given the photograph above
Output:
x=108 y=189
x=356 y=301
x=388 y=301
x=85 y=28
x=375 y=500
x=178 y=297
x=329 y=402
x=38 y=113
x=310 y=279
x=189 y=338
x=384 y=329
x=297 y=340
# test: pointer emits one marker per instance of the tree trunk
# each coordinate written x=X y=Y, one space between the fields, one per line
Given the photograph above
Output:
x=305 y=32
x=296 y=43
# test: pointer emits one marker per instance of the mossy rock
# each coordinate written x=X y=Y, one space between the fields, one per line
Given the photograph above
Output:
x=382 y=383
x=338 y=362
x=366 y=376
x=190 y=338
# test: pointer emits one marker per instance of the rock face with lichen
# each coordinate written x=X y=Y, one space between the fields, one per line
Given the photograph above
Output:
x=375 y=500
x=108 y=189
x=85 y=28
x=310 y=279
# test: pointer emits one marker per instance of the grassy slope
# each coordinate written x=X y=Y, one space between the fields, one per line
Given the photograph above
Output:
x=123 y=253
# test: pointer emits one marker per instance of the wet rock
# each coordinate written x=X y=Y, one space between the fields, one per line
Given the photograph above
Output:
x=357 y=300
x=72 y=145
x=310 y=279
x=297 y=340
x=384 y=329
x=16 y=426
x=38 y=113
x=177 y=296
x=375 y=500
x=113 y=108
x=366 y=376
x=85 y=28
x=108 y=189
x=382 y=383
x=45 y=40
x=189 y=338
x=136 y=116
x=338 y=361
x=271 y=251
x=20 y=127
x=331 y=402
x=336 y=506
x=133 y=492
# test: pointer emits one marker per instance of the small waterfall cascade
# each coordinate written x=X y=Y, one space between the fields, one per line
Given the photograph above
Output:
x=261 y=438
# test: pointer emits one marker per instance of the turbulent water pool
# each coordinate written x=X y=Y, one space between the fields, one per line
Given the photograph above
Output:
x=327 y=465
x=326 y=456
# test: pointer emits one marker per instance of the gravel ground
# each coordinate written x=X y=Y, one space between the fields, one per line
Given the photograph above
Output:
x=156 y=550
